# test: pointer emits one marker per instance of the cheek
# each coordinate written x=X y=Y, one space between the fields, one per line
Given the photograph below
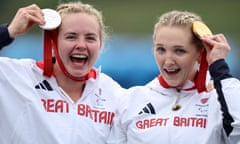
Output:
x=187 y=63
x=61 y=51
x=189 y=66
x=158 y=60
x=64 y=47
x=94 y=51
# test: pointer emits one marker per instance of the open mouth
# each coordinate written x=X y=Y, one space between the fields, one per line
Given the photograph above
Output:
x=78 y=58
x=172 y=71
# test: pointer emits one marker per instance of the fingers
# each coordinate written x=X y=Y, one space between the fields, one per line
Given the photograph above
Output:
x=219 y=38
x=216 y=46
x=208 y=41
x=32 y=13
x=24 y=19
x=216 y=41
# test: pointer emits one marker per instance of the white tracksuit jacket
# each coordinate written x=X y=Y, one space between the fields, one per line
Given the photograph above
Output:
x=35 y=110
x=146 y=115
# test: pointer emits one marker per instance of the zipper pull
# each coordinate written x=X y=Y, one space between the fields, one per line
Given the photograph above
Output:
x=176 y=106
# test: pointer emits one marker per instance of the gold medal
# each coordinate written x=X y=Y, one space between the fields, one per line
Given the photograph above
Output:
x=200 y=29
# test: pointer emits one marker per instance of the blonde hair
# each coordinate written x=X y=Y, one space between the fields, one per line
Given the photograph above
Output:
x=178 y=18
x=79 y=7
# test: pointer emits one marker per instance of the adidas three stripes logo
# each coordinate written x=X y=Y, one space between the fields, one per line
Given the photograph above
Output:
x=148 y=109
x=44 y=85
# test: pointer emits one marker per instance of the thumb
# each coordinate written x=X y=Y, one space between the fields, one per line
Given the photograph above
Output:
x=207 y=43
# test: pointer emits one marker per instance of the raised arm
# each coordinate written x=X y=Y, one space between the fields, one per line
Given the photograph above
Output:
x=24 y=19
x=227 y=87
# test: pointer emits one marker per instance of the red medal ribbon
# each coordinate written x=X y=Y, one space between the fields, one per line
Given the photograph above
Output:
x=50 y=41
x=199 y=82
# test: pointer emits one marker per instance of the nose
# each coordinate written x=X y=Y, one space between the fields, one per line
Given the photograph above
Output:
x=81 y=43
x=169 y=60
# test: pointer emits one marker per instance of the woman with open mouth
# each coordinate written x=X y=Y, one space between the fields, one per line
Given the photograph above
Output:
x=63 y=99
x=178 y=107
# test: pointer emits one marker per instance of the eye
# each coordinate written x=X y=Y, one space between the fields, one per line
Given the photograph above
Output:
x=70 y=37
x=160 y=50
x=180 y=51
x=91 y=37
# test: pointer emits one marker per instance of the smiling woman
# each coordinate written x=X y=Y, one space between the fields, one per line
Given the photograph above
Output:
x=64 y=95
x=146 y=112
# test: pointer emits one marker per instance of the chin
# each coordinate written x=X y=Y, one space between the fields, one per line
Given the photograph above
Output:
x=171 y=82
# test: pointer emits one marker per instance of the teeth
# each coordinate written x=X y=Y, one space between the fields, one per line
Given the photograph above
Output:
x=171 y=70
x=79 y=56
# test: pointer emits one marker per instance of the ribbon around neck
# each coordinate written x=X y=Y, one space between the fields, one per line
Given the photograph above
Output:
x=50 y=41
x=200 y=80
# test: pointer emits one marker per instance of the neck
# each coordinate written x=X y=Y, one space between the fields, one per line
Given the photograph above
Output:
x=72 y=88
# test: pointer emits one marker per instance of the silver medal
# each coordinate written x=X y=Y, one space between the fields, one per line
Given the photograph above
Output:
x=52 y=18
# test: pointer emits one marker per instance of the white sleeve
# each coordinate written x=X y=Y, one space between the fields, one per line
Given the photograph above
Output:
x=231 y=92
x=117 y=134
x=228 y=91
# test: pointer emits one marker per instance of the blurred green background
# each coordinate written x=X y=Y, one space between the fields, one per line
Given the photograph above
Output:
x=133 y=21
x=139 y=16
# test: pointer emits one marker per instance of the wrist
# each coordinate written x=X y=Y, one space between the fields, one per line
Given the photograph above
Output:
x=5 y=37
x=219 y=70
x=12 y=34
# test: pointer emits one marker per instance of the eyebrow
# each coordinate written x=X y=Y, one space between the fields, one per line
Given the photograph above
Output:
x=158 y=44
x=91 y=34
x=74 y=33
x=70 y=33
